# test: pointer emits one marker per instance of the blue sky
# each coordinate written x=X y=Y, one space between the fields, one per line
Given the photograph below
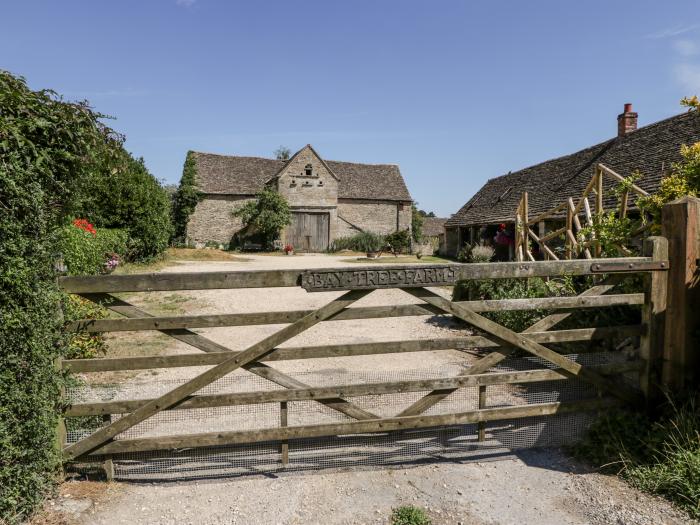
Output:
x=455 y=92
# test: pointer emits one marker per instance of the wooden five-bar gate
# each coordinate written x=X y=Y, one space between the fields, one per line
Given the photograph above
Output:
x=495 y=343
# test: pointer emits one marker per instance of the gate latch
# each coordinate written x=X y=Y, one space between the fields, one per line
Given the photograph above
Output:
x=618 y=267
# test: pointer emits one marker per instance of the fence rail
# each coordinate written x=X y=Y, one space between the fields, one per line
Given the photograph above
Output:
x=493 y=344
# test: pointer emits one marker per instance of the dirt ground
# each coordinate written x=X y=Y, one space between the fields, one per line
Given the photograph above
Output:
x=539 y=486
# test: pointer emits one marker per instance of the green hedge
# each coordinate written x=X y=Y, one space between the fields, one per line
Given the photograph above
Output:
x=57 y=161
x=48 y=151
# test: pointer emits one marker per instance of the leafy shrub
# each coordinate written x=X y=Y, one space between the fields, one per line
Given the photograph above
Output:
x=399 y=240
x=49 y=151
x=185 y=199
x=266 y=216
x=83 y=345
x=475 y=253
x=128 y=197
x=409 y=515
x=661 y=457
x=85 y=253
x=481 y=254
x=516 y=320
x=361 y=242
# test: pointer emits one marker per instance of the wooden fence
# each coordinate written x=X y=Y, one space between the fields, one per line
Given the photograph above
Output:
x=496 y=341
x=568 y=213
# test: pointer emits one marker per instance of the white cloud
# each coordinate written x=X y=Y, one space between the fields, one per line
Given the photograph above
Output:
x=673 y=31
x=688 y=76
x=686 y=48
x=185 y=3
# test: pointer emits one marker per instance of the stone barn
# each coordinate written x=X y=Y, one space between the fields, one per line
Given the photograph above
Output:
x=329 y=199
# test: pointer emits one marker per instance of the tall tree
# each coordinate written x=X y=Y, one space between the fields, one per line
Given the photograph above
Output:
x=283 y=153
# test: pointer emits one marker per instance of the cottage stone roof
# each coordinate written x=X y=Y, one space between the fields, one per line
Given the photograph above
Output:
x=234 y=175
x=433 y=226
x=650 y=149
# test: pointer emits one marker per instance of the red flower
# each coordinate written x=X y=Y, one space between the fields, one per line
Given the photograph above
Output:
x=84 y=225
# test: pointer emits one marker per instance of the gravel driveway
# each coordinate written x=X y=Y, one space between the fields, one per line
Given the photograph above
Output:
x=532 y=486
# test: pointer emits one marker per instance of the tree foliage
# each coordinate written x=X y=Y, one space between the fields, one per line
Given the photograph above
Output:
x=417 y=220
x=185 y=199
x=265 y=216
x=283 y=153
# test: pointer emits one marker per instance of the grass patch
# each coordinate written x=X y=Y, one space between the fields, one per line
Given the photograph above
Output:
x=402 y=259
x=409 y=515
x=659 y=456
x=174 y=255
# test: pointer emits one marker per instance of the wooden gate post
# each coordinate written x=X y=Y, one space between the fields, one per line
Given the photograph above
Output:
x=651 y=346
x=681 y=226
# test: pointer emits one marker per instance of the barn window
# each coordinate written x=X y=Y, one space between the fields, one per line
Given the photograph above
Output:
x=308 y=170
x=320 y=183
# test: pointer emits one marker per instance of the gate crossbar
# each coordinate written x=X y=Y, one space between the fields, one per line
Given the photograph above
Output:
x=254 y=352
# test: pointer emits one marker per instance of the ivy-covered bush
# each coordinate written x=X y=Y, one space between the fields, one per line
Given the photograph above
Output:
x=50 y=151
x=185 y=200
x=87 y=251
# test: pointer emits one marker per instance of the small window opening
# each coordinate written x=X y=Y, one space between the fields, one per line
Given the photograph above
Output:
x=308 y=170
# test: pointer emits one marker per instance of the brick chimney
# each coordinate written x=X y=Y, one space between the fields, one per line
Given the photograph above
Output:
x=626 y=121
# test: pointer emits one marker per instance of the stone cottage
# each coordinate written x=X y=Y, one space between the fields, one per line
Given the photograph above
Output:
x=328 y=199
x=651 y=150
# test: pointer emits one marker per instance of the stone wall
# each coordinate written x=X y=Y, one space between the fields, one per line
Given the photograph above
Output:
x=451 y=241
x=213 y=220
x=374 y=216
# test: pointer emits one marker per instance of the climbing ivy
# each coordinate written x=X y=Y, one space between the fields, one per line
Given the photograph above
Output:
x=185 y=199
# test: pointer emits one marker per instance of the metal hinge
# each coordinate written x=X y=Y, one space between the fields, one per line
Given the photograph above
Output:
x=655 y=266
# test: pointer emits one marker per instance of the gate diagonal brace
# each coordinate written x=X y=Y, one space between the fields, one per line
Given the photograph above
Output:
x=523 y=342
x=207 y=345
x=491 y=360
x=98 y=438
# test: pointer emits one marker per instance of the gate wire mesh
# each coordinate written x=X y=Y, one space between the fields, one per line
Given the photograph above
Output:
x=363 y=450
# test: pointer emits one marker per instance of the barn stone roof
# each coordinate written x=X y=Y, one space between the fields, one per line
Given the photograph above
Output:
x=234 y=175
x=650 y=149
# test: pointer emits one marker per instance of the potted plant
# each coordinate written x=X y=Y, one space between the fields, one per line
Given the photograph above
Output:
x=372 y=244
x=288 y=249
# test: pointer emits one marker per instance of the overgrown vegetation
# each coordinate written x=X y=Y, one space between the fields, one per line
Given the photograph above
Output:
x=361 y=242
x=58 y=162
x=48 y=152
x=265 y=217
x=659 y=456
x=409 y=515
x=185 y=200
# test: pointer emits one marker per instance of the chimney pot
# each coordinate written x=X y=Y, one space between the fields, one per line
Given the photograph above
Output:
x=626 y=121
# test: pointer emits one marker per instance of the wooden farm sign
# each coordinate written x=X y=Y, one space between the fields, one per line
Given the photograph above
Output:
x=370 y=278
